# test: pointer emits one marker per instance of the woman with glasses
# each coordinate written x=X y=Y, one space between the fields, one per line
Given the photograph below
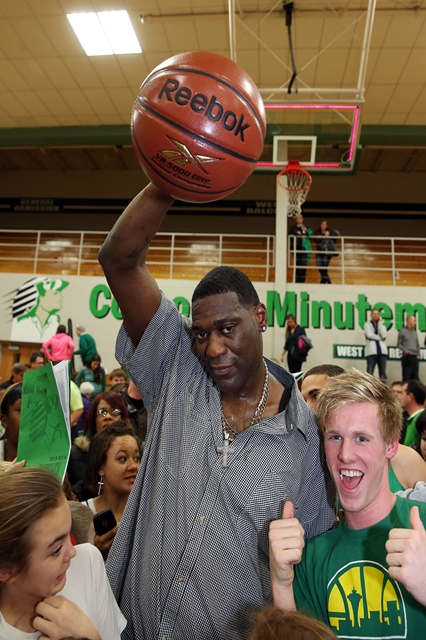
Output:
x=93 y=373
x=105 y=408
x=113 y=461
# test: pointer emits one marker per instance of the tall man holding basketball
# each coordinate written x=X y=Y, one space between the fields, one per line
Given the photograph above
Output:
x=229 y=435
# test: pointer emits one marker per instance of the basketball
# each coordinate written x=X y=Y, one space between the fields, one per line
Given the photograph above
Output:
x=198 y=126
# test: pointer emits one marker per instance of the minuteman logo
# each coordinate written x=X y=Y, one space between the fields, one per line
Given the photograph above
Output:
x=364 y=603
x=182 y=155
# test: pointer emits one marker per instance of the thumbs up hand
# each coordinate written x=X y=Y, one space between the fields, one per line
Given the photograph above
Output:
x=407 y=556
x=286 y=542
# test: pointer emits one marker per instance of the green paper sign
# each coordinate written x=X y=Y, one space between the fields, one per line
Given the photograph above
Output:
x=44 y=433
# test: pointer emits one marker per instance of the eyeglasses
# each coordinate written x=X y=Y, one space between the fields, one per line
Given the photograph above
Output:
x=102 y=413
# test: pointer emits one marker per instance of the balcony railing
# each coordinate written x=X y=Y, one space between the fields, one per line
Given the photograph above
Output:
x=361 y=260
x=365 y=260
x=171 y=255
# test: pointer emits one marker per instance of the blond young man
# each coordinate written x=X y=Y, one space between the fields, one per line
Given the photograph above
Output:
x=366 y=577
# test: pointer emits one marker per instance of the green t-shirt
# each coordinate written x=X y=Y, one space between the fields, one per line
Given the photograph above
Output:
x=411 y=433
x=343 y=580
x=394 y=484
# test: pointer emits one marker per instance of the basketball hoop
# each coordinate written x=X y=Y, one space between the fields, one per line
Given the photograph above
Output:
x=297 y=182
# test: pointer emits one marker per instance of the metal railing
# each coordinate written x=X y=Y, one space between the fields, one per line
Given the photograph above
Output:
x=171 y=255
x=361 y=259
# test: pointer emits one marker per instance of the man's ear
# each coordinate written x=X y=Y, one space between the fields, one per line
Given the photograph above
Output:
x=391 y=449
x=261 y=316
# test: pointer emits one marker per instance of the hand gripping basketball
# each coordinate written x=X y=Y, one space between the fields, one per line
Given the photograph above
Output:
x=198 y=126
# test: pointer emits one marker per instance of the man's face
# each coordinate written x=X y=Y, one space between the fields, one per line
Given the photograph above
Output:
x=405 y=397
x=411 y=322
x=117 y=380
x=397 y=391
x=17 y=376
x=311 y=386
x=228 y=339
x=375 y=315
x=38 y=362
x=358 y=460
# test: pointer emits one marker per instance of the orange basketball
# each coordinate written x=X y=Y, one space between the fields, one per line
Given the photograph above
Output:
x=198 y=126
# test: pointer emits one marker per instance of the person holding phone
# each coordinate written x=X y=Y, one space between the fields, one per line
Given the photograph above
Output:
x=48 y=587
x=376 y=350
x=113 y=461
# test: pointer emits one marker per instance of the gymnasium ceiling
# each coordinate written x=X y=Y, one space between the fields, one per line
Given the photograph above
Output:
x=61 y=109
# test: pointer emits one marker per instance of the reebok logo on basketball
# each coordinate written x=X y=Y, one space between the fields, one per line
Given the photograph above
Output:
x=201 y=104
x=182 y=155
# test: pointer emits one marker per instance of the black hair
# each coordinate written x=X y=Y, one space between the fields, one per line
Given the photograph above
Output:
x=96 y=372
x=99 y=445
x=10 y=397
x=418 y=390
x=421 y=424
x=35 y=355
x=329 y=370
x=226 y=280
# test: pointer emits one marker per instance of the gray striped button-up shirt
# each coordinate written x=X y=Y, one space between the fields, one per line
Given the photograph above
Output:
x=190 y=559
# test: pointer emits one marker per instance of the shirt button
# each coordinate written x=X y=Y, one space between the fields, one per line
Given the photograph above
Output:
x=181 y=579
x=164 y=638
x=202 y=518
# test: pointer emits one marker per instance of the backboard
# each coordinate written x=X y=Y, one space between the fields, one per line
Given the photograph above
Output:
x=320 y=136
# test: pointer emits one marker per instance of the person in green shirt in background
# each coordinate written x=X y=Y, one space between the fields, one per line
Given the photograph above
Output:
x=412 y=399
x=87 y=346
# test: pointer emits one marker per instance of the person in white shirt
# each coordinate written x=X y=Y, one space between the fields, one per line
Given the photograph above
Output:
x=48 y=587
x=376 y=350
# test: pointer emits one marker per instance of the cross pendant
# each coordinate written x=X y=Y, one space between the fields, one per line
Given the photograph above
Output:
x=225 y=449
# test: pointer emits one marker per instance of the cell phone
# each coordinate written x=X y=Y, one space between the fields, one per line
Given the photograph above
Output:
x=104 y=521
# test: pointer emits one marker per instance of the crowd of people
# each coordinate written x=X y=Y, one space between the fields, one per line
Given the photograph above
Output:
x=226 y=502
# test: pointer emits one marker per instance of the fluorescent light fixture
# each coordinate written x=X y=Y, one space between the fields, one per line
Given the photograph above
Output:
x=119 y=31
x=105 y=33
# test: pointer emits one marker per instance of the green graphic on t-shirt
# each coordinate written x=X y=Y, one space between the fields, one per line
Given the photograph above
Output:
x=364 y=602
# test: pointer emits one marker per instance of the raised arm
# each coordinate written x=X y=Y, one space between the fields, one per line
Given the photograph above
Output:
x=123 y=256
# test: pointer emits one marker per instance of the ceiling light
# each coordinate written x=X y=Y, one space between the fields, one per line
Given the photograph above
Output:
x=105 y=33
x=119 y=31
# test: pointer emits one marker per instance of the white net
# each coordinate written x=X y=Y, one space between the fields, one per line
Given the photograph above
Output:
x=297 y=183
